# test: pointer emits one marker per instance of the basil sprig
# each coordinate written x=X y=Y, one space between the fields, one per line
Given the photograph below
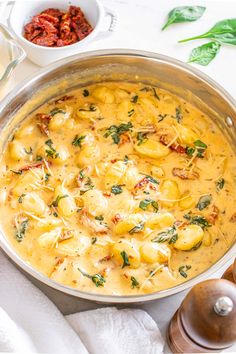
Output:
x=184 y=14
x=223 y=31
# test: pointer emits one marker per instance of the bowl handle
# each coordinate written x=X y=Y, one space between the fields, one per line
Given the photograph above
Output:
x=113 y=23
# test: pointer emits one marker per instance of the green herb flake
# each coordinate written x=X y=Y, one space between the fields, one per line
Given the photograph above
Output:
x=138 y=228
x=155 y=94
x=178 y=114
x=20 y=234
x=151 y=179
x=131 y=112
x=134 y=282
x=125 y=257
x=220 y=184
x=117 y=189
x=85 y=93
x=29 y=152
x=20 y=199
x=93 y=240
x=134 y=99
x=57 y=110
x=39 y=158
x=204 y=201
x=78 y=140
x=161 y=117
x=204 y=54
x=183 y=270
x=46 y=178
x=184 y=14
x=99 y=217
x=57 y=200
x=19 y=172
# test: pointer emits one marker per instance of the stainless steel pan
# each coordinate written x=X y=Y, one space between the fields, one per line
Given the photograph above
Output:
x=107 y=65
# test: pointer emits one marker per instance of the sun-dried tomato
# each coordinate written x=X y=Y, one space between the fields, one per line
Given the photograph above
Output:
x=55 y=28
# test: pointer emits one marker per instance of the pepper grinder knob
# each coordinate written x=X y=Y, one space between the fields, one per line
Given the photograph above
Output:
x=206 y=319
x=223 y=306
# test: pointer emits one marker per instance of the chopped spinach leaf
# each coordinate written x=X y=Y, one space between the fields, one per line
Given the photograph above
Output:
x=125 y=259
x=183 y=270
x=20 y=234
x=169 y=235
x=20 y=199
x=155 y=94
x=92 y=108
x=197 y=220
x=99 y=217
x=29 y=152
x=131 y=112
x=178 y=114
x=97 y=279
x=161 y=117
x=117 y=189
x=134 y=99
x=204 y=201
x=17 y=172
x=151 y=179
x=57 y=200
x=85 y=93
x=134 y=282
x=51 y=152
x=116 y=130
x=146 y=202
x=138 y=228
x=46 y=178
x=220 y=184
x=93 y=240
x=57 y=110
x=78 y=140
x=141 y=137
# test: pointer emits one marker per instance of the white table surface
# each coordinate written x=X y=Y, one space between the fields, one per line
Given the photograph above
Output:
x=139 y=23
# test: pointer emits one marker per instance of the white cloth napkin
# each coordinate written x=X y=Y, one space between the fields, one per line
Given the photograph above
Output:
x=31 y=323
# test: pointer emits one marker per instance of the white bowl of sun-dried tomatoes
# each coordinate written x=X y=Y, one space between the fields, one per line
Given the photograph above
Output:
x=51 y=30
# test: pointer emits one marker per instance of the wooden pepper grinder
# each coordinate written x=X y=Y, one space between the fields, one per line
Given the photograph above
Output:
x=206 y=319
x=230 y=273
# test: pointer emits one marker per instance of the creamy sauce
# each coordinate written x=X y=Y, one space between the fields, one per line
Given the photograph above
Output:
x=119 y=189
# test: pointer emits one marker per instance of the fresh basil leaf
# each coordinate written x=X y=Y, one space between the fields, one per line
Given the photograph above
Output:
x=184 y=14
x=204 y=201
x=204 y=54
x=116 y=130
x=125 y=259
x=223 y=31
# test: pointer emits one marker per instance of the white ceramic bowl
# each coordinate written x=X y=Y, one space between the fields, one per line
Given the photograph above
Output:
x=22 y=12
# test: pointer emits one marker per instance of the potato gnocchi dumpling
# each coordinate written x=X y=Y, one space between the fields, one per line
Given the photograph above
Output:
x=118 y=188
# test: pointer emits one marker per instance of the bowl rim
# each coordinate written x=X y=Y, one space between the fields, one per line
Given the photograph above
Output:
x=104 y=298
x=91 y=35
